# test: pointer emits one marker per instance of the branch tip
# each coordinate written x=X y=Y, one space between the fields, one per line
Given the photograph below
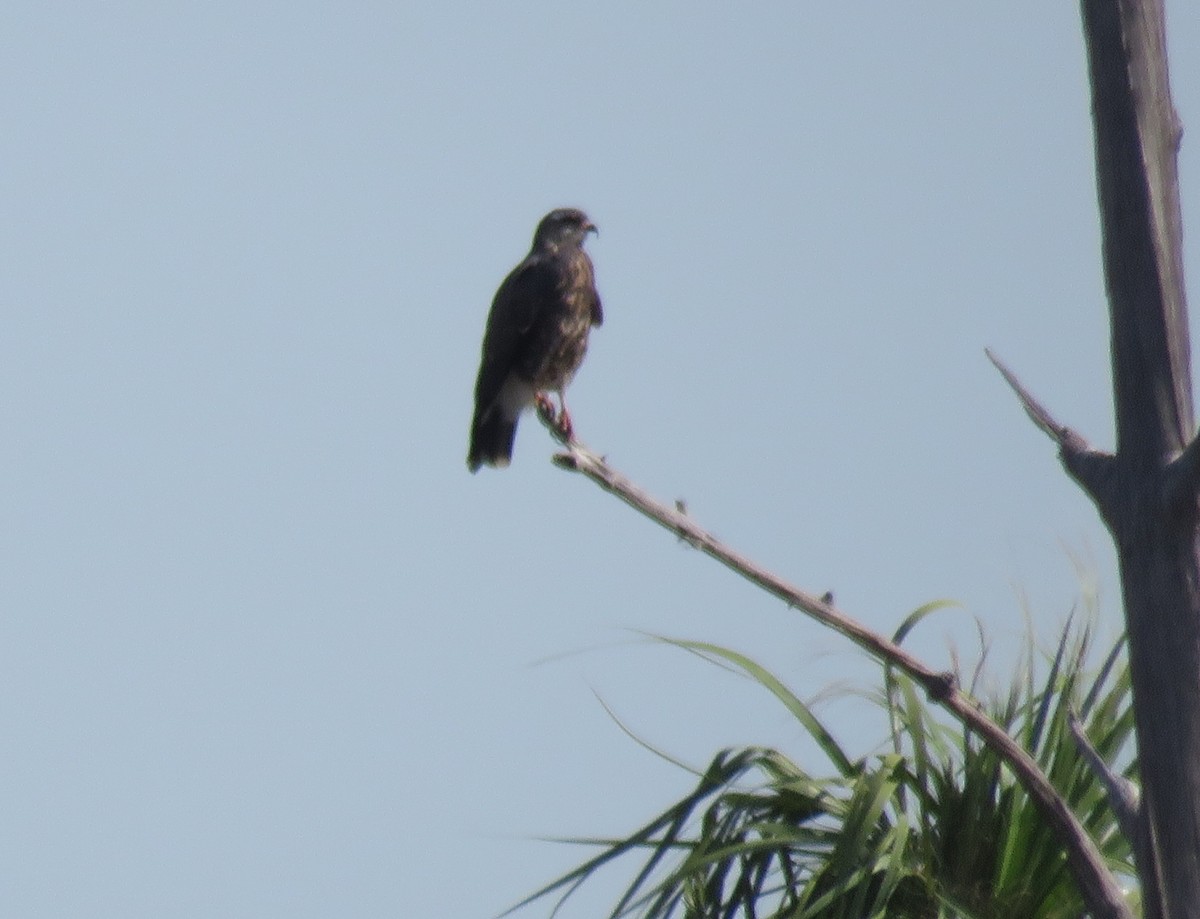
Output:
x=1060 y=434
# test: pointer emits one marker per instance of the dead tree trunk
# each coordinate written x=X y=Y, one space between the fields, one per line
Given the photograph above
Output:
x=1148 y=492
x=1149 y=499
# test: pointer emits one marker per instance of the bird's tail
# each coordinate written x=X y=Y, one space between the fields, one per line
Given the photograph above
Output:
x=491 y=441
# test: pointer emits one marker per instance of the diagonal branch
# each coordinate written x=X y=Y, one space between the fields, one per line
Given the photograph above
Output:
x=1061 y=434
x=1092 y=469
x=1123 y=795
x=1097 y=885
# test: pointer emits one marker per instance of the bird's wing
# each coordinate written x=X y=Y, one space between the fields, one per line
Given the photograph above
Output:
x=584 y=277
x=527 y=293
x=597 y=309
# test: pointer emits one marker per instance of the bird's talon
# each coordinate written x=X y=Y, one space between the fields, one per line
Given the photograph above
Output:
x=545 y=408
x=563 y=423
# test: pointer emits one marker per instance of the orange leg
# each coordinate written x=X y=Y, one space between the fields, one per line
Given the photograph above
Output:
x=560 y=417
x=564 y=419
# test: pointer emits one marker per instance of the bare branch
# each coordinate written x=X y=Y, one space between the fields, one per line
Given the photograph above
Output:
x=1067 y=439
x=1123 y=795
x=1097 y=885
x=1059 y=433
x=1092 y=469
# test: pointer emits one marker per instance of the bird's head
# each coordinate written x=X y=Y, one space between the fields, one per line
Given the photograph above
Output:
x=564 y=226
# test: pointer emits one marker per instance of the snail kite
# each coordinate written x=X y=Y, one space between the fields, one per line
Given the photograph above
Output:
x=536 y=335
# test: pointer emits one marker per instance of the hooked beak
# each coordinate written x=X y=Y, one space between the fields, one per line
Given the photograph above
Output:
x=590 y=227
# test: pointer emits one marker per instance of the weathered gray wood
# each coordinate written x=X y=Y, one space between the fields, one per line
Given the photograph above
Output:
x=1150 y=501
x=1097 y=885
x=1137 y=135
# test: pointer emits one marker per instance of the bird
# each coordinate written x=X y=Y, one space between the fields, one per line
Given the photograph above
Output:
x=536 y=336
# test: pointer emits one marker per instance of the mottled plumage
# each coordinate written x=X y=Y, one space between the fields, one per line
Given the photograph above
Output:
x=536 y=334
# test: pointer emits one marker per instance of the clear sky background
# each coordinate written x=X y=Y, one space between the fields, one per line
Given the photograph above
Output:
x=268 y=650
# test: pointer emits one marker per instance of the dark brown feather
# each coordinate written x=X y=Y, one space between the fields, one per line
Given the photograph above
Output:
x=536 y=335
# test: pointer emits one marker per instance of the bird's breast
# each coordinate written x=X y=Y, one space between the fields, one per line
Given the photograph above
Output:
x=558 y=342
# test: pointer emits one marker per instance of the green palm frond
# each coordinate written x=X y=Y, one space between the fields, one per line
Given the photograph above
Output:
x=936 y=828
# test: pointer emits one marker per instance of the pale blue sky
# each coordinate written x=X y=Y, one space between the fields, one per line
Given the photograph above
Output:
x=267 y=649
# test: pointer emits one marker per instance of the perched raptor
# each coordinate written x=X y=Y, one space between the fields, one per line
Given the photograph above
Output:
x=536 y=335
